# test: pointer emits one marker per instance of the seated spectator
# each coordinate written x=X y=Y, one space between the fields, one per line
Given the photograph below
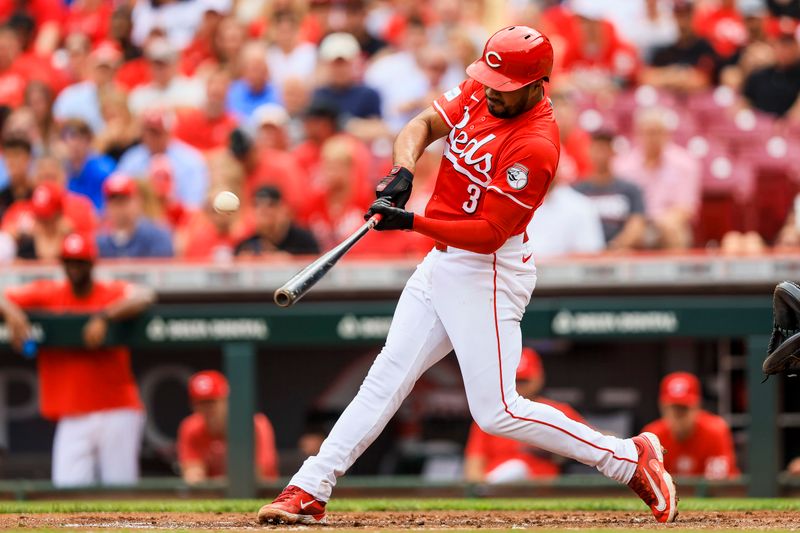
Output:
x=39 y=99
x=618 y=202
x=699 y=443
x=575 y=140
x=77 y=208
x=335 y=206
x=87 y=170
x=669 y=178
x=121 y=131
x=202 y=436
x=648 y=26
x=689 y=64
x=275 y=231
x=129 y=233
x=722 y=24
x=338 y=54
x=90 y=17
x=288 y=55
x=253 y=88
x=17 y=159
x=775 y=89
x=167 y=89
x=13 y=76
x=81 y=100
x=492 y=459
x=567 y=222
x=190 y=172
x=201 y=49
x=208 y=128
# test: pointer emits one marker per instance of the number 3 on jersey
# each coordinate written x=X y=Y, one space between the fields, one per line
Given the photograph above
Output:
x=474 y=195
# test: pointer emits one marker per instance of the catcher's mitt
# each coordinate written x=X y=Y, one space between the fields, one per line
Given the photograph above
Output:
x=784 y=346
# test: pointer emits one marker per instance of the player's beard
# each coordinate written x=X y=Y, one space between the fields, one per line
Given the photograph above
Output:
x=505 y=111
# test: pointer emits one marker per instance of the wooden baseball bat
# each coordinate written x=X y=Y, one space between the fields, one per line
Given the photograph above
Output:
x=299 y=285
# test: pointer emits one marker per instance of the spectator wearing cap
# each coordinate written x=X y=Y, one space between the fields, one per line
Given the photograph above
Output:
x=128 y=232
x=253 y=89
x=168 y=89
x=669 y=178
x=77 y=210
x=275 y=231
x=619 y=203
x=567 y=222
x=775 y=89
x=89 y=391
x=288 y=56
x=81 y=100
x=339 y=54
x=87 y=169
x=689 y=64
x=40 y=227
x=190 y=172
x=208 y=128
x=17 y=160
x=699 y=443
x=203 y=436
x=492 y=459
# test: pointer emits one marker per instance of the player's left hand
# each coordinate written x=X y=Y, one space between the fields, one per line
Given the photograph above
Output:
x=94 y=332
x=396 y=186
x=393 y=217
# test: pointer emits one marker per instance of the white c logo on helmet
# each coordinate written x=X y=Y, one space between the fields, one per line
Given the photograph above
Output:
x=489 y=59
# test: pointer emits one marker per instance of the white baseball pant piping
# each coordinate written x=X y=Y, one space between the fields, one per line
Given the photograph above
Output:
x=472 y=303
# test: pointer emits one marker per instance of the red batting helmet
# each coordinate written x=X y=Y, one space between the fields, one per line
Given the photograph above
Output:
x=513 y=57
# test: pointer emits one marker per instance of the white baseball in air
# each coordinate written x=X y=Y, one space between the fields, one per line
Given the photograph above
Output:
x=226 y=202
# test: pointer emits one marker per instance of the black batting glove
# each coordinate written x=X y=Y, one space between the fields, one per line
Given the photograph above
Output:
x=396 y=186
x=393 y=217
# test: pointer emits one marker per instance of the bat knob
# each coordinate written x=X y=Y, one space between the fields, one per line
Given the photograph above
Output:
x=283 y=298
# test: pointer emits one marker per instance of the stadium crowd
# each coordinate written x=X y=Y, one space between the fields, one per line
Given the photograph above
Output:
x=121 y=119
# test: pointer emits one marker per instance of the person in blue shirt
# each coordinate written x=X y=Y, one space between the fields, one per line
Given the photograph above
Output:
x=129 y=233
x=189 y=169
x=253 y=89
x=86 y=171
x=339 y=53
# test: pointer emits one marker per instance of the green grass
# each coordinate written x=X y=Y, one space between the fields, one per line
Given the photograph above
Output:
x=363 y=505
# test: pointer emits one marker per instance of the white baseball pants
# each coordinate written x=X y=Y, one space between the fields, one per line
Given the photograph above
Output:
x=472 y=303
x=98 y=447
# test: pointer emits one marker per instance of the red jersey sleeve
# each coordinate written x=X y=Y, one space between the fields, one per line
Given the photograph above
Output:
x=189 y=449
x=525 y=171
x=266 y=456
x=32 y=295
x=476 y=442
x=451 y=105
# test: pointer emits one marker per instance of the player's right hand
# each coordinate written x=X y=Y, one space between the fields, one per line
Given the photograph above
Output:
x=19 y=328
x=393 y=217
x=396 y=186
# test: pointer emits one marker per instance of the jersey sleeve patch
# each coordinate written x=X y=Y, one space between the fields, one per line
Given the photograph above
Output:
x=452 y=94
x=517 y=176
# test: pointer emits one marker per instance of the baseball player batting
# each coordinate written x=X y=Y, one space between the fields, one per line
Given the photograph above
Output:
x=471 y=290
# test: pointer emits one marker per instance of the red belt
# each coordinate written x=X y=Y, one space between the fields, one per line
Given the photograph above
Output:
x=442 y=247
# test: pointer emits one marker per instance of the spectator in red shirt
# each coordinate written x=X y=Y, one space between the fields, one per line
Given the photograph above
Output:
x=210 y=235
x=39 y=225
x=202 y=436
x=90 y=17
x=698 y=443
x=491 y=459
x=89 y=391
x=207 y=128
x=12 y=77
x=723 y=25
x=47 y=15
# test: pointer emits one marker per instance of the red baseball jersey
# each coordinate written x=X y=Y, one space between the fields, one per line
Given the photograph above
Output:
x=496 y=450
x=196 y=444
x=707 y=452
x=515 y=158
x=76 y=381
